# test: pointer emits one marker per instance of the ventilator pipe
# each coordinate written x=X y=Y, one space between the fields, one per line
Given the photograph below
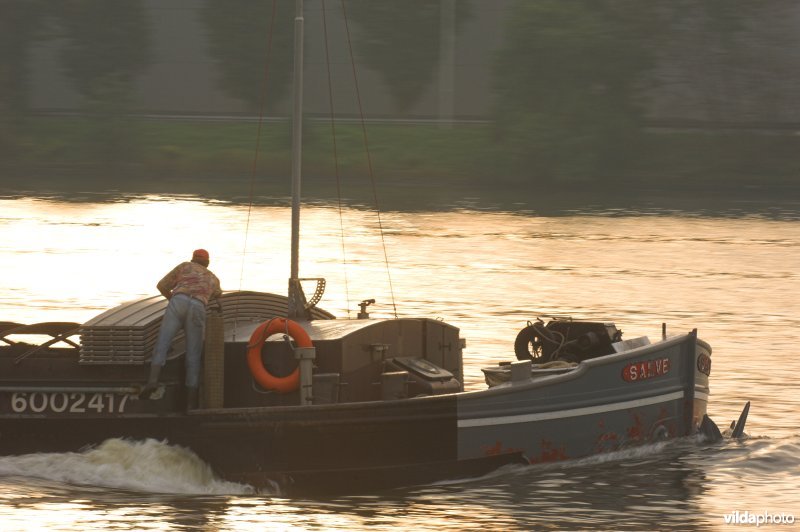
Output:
x=363 y=315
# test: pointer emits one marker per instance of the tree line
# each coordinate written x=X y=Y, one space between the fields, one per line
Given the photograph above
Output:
x=570 y=82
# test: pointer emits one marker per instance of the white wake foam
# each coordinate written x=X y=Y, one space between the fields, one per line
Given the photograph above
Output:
x=150 y=466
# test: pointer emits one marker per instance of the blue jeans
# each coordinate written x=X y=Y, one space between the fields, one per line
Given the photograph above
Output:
x=189 y=314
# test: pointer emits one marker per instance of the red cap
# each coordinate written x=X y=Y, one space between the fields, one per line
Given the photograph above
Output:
x=200 y=254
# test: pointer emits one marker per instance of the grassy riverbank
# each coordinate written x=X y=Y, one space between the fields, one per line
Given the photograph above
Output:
x=136 y=154
x=191 y=149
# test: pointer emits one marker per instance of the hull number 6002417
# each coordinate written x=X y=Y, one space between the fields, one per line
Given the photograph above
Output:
x=66 y=403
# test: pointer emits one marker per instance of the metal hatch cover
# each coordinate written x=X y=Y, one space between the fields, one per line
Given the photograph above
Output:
x=423 y=368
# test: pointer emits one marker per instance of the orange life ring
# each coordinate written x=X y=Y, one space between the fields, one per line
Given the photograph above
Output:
x=263 y=377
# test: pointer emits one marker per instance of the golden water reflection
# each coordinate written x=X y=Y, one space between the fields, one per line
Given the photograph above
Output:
x=734 y=279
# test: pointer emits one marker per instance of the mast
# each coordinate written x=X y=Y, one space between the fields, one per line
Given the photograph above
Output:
x=296 y=298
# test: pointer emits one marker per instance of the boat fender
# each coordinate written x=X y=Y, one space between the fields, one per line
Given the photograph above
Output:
x=259 y=337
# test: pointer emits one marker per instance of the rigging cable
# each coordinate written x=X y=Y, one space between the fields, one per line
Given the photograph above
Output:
x=369 y=159
x=335 y=155
x=262 y=105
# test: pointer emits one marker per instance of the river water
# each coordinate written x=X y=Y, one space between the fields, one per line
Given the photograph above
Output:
x=733 y=274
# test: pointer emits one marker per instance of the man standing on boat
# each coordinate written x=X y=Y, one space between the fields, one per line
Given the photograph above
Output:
x=188 y=287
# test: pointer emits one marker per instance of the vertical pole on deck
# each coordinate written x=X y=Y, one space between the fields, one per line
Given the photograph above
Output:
x=296 y=307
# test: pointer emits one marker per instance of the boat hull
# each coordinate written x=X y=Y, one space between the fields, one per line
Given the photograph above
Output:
x=609 y=403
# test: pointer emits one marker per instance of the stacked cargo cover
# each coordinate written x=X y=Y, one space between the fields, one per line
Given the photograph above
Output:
x=127 y=334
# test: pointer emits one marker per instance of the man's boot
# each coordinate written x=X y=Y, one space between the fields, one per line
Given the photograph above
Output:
x=191 y=398
x=152 y=382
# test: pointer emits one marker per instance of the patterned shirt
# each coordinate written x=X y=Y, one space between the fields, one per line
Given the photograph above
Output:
x=192 y=279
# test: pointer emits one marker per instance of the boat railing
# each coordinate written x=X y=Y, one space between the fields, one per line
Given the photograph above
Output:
x=38 y=336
